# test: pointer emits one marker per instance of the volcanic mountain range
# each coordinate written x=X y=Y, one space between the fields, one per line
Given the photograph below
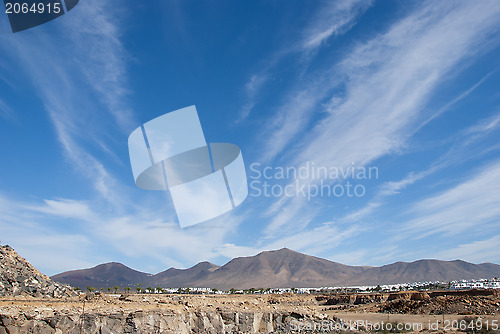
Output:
x=279 y=268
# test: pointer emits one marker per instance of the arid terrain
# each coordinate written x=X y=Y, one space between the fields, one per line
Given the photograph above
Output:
x=288 y=313
x=154 y=314
x=31 y=302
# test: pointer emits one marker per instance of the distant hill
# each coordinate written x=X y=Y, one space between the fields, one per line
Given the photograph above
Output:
x=176 y=278
x=104 y=275
x=279 y=268
x=425 y=270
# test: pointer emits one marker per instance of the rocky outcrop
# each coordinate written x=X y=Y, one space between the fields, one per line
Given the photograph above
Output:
x=352 y=299
x=31 y=302
x=50 y=321
x=453 y=304
x=408 y=295
x=340 y=299
x=18 y=277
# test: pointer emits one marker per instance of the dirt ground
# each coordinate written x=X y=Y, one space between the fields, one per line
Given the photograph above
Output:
x=414 y=312
x=473 y=311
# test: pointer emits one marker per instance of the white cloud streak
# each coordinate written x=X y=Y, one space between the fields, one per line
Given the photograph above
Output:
x=5 y=110
x=392 y=76
x=66 y=208
x=83 y=87
x=251 y=89
x=390 y=79
x=81 y=61
x=48 y=250
x=317 y=240
x=333 y=18
x=477 y=251
x=34 y=229
x=472 y=204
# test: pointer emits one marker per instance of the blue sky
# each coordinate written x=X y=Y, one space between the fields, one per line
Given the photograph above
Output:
x=409 y=89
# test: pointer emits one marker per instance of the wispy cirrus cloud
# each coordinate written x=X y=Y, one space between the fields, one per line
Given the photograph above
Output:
x=291 y=119
x=83 y=89
x=82 y=85
x=103 y=59
x=5 y=110
x=332 y=18
x=390 y=79
x=251 y=89
x=318 y=240
x=455 y=100
x=48 y=249
x=66 y=208
x=387 y=189
x=484 y=127
x=471 y=204
x=145 y=232
x=468 y=144
x=476 y=251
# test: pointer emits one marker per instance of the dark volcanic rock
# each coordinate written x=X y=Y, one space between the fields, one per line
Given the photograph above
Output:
x=151 y=321
x=19 y=277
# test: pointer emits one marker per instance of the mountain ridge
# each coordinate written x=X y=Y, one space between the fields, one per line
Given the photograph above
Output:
x=108 y=274
x=279 y=268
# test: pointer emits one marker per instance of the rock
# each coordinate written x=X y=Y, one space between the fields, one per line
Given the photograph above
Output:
x=420 y=296
x=19 y=277
x=153 y=321
x=339 y=299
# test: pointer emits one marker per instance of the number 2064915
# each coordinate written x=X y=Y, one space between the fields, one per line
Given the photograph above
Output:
x=34 y=8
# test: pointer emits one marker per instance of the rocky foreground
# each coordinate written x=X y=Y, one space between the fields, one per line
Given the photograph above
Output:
x=466 y=302
x=19 y=277
x=31 y=302
x=287 y=313
x=157 y=314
